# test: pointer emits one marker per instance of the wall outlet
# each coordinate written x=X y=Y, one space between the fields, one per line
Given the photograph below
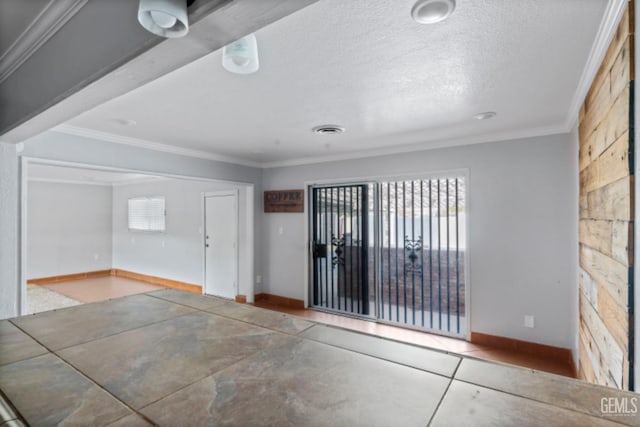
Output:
x=258 y=279
x=281 y=230
x=96 y=256
x=529 y=321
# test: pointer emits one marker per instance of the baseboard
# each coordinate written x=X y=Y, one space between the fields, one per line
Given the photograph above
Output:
x=560 y=354
x=154 y=280
x=281 y=301
x=67 y=277
x=242 y=299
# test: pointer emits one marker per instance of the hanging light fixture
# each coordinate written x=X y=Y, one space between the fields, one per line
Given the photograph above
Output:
x=165 y=18
x=241 y=56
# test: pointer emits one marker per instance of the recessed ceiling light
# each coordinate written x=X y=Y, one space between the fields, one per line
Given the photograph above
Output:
x=328 y=129
x=484 y=116
x=432 y=11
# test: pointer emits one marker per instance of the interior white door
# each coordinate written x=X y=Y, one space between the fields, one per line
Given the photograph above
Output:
x=221 y=231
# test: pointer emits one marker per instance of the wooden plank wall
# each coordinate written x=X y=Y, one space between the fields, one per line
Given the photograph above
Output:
x=606 y=215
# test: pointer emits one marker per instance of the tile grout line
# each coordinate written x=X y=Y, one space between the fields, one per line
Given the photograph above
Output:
x=382 y=358
x=533 y=399
x=226 y=316
x=394 y=340
x=99 y=338
x=202 y=378
x=66 y=362
x=445 y=393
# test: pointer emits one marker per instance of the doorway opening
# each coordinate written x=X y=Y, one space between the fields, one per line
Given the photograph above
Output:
x=393 y=251
x=92 y=233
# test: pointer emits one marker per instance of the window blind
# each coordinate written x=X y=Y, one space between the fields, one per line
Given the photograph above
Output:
x=147 y=213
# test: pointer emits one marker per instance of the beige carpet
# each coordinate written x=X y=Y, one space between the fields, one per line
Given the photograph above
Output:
x=42 y=299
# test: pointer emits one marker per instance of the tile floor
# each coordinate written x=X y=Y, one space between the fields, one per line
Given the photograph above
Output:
x=104 y=288
x=438 y=342
x=100 y=288
x=170 y=358
x=41 y=299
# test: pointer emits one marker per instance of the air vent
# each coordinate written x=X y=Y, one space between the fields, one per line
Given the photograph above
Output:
x=328 y=129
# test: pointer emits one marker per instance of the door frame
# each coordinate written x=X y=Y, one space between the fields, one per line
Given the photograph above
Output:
x=236 y=223
x=448 y=173
x=25 y=161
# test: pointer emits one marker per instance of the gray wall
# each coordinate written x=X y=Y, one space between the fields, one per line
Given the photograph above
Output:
x=9 y=231
x=522 y=230
x=66 y=148
x=177 y=253
x=68 y=228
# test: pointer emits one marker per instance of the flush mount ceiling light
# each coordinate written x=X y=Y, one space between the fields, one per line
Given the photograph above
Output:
x=432 y=11
x=328 y=129
x=165 y=18
x=484 y=116
x=241 y=56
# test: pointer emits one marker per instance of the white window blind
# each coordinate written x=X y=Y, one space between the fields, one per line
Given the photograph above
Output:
x=147 y=214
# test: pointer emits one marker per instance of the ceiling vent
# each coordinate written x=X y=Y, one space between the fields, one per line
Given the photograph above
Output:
x=328 y=129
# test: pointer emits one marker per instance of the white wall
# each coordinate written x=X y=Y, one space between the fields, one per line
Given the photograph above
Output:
x=9 y=231
x=177 y=253
x=68 y=228
x=522 y=230
x=67 y=148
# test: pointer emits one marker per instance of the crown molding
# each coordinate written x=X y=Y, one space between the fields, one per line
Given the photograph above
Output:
x=149 y=145
x=411 y=148
x=134 y=181
x=52 y=17
x=405 y=148
x=608 y=27
x=67 y=181
x=144 y=180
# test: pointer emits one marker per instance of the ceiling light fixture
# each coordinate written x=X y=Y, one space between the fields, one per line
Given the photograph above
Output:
x=484 y=116
x=165 y=18
x=241 y=56
x=432 y=11
x=328 y=129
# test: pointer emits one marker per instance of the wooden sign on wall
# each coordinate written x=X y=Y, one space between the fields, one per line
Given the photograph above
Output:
x=284 y=201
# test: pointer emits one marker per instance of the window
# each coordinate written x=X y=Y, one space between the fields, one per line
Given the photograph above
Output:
x=146 y=214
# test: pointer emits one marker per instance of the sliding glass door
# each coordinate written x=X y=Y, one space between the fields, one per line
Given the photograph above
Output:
x=392 y=250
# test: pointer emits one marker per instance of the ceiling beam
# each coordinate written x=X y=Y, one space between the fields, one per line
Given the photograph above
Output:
x=102 y=53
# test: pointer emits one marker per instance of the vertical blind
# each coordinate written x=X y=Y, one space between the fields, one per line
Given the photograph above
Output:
x=147 y=214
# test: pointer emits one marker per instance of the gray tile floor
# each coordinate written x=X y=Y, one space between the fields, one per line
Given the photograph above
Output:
x=175 y=359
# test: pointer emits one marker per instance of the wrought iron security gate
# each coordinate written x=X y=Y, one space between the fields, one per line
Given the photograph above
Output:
x=340 y=247
x=392 y=250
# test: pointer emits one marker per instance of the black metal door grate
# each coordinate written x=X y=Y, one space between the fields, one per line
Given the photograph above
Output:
x=421 y=240
x=394 y=250
x=340 y=248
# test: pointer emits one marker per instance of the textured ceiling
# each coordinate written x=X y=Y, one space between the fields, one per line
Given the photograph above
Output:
x=365 y=65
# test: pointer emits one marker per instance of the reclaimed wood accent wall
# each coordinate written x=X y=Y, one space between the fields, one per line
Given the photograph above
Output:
x=606 y=215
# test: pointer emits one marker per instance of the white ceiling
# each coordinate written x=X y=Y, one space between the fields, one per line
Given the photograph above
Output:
x=365 y=65
x=53 y=173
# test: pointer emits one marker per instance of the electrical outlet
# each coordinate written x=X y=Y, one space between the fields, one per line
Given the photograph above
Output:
x=529 y=321
x=96 y=256
x=281 y=230
x=258 y=279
